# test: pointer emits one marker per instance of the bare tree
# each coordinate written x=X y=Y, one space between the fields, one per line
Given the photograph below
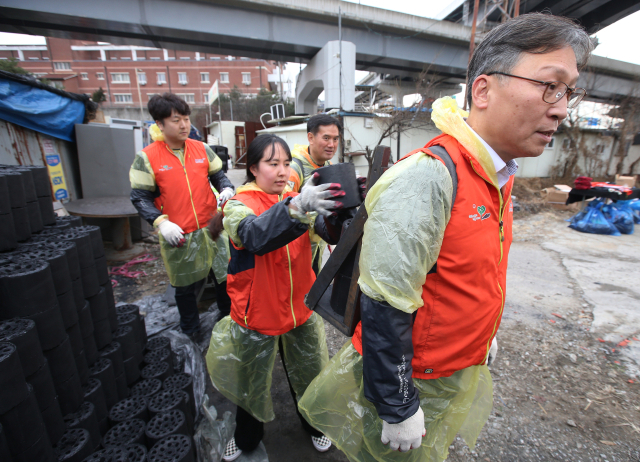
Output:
x=629 y=111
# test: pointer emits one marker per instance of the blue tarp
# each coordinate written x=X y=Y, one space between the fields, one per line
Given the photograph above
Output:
x=40 y=110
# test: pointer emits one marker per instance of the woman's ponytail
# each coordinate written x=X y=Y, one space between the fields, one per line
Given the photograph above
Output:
x=215 y=225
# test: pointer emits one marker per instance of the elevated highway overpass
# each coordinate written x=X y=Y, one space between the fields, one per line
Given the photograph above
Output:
x=386 y=42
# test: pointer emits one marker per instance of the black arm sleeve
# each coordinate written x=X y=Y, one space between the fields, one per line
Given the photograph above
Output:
x=387 y=352
x=220 y=181
x=271 y=230
x=330 y=228
x=142 y=200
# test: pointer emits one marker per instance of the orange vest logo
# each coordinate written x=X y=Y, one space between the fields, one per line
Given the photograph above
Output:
x=480 y=215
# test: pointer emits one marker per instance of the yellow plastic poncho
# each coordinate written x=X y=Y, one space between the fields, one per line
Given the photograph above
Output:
x=240 y=362
x=408 y=210
x=191 y=262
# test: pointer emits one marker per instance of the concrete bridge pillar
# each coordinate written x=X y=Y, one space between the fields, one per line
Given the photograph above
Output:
x=323 y=73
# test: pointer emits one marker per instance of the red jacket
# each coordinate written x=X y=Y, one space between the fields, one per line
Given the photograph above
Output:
x=464 y=299
x=185 y=192
x=267 y=291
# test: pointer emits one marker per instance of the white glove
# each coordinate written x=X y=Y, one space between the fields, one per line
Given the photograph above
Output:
x=493 y=352
x=314 y=198
x=172 y=233
x=404 y=435
x=225 y=195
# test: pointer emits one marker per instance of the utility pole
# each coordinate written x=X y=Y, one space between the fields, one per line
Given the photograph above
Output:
x=139 y=94
x=340 y=53
x=472 y=43
x=281 y=87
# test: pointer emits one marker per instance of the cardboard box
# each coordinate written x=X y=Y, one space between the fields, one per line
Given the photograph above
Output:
x=629 y=181
x=557 y=198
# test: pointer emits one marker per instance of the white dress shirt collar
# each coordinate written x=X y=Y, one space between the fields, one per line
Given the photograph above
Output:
x=503 y=169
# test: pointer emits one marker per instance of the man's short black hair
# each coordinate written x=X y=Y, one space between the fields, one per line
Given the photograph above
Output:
x=317 y=121
x=161 y=106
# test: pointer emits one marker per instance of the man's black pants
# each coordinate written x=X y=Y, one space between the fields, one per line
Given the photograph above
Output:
x=188 y=306
x=250 y=431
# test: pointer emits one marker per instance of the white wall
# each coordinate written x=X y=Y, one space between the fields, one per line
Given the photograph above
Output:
x=362 y=135
x=228 y=134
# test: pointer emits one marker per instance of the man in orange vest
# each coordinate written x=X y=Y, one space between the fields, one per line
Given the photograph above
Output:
x=323 y=136
x=171 y=188
x=433 y=261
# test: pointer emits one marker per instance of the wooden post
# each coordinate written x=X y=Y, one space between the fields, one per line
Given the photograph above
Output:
x=516 y=11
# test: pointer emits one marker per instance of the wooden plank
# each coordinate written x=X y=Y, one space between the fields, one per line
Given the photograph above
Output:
x=337 y=258
x=317 y=298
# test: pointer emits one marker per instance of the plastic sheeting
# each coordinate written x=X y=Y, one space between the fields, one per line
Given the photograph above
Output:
x=240 y=362
x=160 y=316
x=39 y=109
x=448 y=117
x=409 y=208
x=212 y=435
x=190 y=360
x=221 y=259
x=334 y=403
x=191 y=262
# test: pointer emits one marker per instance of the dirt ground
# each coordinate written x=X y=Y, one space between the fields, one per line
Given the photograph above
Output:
x=564 y=387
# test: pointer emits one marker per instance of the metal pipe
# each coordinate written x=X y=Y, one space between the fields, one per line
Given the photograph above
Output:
x=516 y=11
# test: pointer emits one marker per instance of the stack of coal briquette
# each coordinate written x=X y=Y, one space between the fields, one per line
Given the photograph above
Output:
x=67 y=356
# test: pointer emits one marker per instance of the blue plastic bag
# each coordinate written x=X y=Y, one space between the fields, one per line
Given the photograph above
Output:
x=634 y=207
x=620 y=216
x=591 y=220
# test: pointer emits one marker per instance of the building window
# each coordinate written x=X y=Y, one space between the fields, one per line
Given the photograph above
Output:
x=62 y=66
x=599 y=148
x=155 y=58
x=34 y=58
x=100 y=75
x=224 y=77
x=162 y=78
x=182 y=78
x=246 y=78
x=214 y=57
x=151 y=95
x=206 y=97
x=84 y=76
x=120 y=77
x=550 y=145
x=122 y=98
x=186 y=58
x=204 y=77
x=188 y=97
x=142 y=78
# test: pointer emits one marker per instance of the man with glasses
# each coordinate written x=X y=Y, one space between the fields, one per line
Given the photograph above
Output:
x=434 y=254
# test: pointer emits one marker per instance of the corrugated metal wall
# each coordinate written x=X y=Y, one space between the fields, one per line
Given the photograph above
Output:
x=22 y=146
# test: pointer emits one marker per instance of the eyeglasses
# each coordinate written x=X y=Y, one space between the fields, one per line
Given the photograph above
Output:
x=555 y=91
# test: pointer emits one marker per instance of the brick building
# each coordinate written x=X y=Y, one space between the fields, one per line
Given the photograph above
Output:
x=130 y=75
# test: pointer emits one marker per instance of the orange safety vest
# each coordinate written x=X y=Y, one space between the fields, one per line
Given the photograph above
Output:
x=267 y=292
x=464 y=298
x=185 y=192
